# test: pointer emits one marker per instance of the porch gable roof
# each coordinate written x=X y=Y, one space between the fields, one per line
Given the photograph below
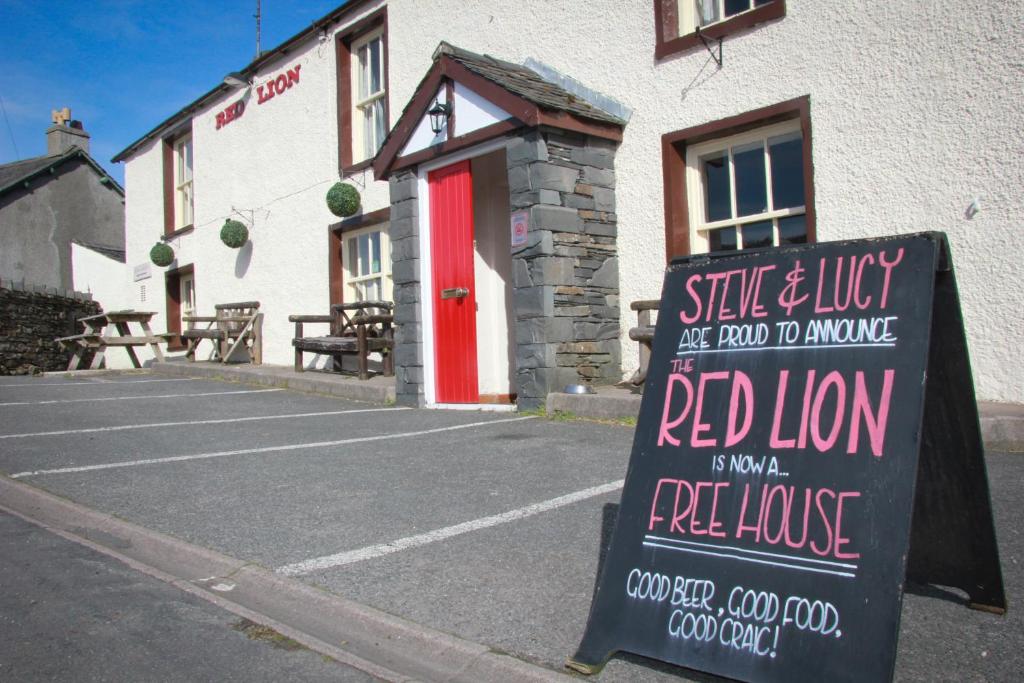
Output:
x=529 y=99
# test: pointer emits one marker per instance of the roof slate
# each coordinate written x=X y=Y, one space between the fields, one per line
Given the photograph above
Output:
x=15 y=173
x=116 y=253
x=526 y=83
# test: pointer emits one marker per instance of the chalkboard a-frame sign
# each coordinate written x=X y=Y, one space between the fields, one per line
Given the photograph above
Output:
x=808 y=440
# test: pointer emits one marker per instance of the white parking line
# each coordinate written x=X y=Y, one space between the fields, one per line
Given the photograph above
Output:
x=373 y=551
x=89 y=381
x=267 y=449
x=136 y=398
x=195 y=422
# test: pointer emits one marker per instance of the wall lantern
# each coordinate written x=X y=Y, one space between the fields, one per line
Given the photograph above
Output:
x=235 y=79
x=439 y=116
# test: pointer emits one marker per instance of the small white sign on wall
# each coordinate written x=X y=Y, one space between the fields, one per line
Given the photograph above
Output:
x=520 y=226
x=142 y=272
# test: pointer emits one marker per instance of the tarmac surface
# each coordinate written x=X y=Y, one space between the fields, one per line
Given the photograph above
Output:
x=450 y=537
x=69 y=613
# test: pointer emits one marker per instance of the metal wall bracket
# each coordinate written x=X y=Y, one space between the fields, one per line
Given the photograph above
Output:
x=707 y=44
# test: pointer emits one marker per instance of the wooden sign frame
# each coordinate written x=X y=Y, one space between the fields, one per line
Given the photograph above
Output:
x=819 y=388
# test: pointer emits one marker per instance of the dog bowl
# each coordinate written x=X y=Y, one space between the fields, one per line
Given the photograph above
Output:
x=578 y=389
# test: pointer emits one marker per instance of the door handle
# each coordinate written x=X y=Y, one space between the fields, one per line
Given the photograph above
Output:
x=454 y=293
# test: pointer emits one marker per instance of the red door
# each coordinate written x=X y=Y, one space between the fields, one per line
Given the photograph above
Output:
x=454 y=296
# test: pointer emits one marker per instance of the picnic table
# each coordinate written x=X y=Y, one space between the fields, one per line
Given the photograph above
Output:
x=98 y=337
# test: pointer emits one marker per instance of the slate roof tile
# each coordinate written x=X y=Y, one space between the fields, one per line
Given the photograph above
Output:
x=527 y=84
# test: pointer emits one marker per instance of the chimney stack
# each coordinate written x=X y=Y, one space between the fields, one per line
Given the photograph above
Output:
x=65 y=134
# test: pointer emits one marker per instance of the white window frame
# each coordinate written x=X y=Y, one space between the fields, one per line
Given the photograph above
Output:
x=184 y=200
x=697 y=197
x=689 y=16
x=353 y=281
x=366 y=108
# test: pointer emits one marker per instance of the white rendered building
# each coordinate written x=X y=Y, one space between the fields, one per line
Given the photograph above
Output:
x=617 y=137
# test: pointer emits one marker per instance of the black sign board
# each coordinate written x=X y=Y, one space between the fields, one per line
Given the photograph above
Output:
x=802 y=406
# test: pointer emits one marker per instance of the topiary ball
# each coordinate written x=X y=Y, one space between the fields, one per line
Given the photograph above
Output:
x=343 y=200
x=161 y=254
x=234 y=233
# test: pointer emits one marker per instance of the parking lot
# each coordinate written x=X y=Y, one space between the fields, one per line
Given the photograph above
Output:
x=488 y=526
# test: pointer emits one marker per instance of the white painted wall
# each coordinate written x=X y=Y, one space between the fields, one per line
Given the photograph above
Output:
x=99 y=275
x=423 y=136
x=915 y=110
x=473 y=112
x=271 y=169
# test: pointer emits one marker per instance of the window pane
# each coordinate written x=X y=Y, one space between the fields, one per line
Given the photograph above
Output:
x=352 y=250
x=707 y=11
x=375 y=70
x=787 y=171
x=368 y=130
x=364 y=255
x=751 y=193
x=723 y=239
x=756 y=235
x=380 y=126
x=375 y=252
x=736 y=6
x=362 y=56
x=793 y=230
x=758 y=3
x=715 y=170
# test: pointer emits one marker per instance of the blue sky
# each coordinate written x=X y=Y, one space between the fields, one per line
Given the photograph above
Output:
x=123 y=66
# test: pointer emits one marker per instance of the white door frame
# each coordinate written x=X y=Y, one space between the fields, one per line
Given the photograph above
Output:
x=426 y=276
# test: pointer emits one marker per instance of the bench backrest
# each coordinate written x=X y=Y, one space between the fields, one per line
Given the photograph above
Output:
x=236 y=316
x=346 y=317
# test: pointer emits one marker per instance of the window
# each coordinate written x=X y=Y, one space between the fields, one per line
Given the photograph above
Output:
x=179 y=198
x=676 y=21
x=370 y=124
x=740 y=183
x=183 y=182
x=362 y=81
x=187 y=289
x=747 y=191
x=366 y=257
x=707 y=12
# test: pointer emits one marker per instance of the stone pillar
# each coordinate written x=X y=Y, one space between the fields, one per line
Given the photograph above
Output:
x=405 y=272
x=566 y=276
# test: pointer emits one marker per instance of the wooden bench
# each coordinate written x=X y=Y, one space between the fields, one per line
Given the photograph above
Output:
x=235 y=325
x=357 y=329
x=643 y=333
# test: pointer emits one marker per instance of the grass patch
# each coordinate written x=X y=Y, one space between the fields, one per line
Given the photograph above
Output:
x=569 y=416
x=266 y=634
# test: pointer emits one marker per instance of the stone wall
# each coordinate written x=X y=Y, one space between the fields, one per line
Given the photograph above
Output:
x=566 y=303
x=566 y=276
x=405 y=273
x=31 y=317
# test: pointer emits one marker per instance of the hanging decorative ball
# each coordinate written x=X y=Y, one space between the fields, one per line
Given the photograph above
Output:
x=234 y=233
x=343 y=200
x=161 y=254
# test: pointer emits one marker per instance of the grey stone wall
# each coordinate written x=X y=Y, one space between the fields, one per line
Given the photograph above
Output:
x=405 y=273
x=566 y=276
x=31 y=318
